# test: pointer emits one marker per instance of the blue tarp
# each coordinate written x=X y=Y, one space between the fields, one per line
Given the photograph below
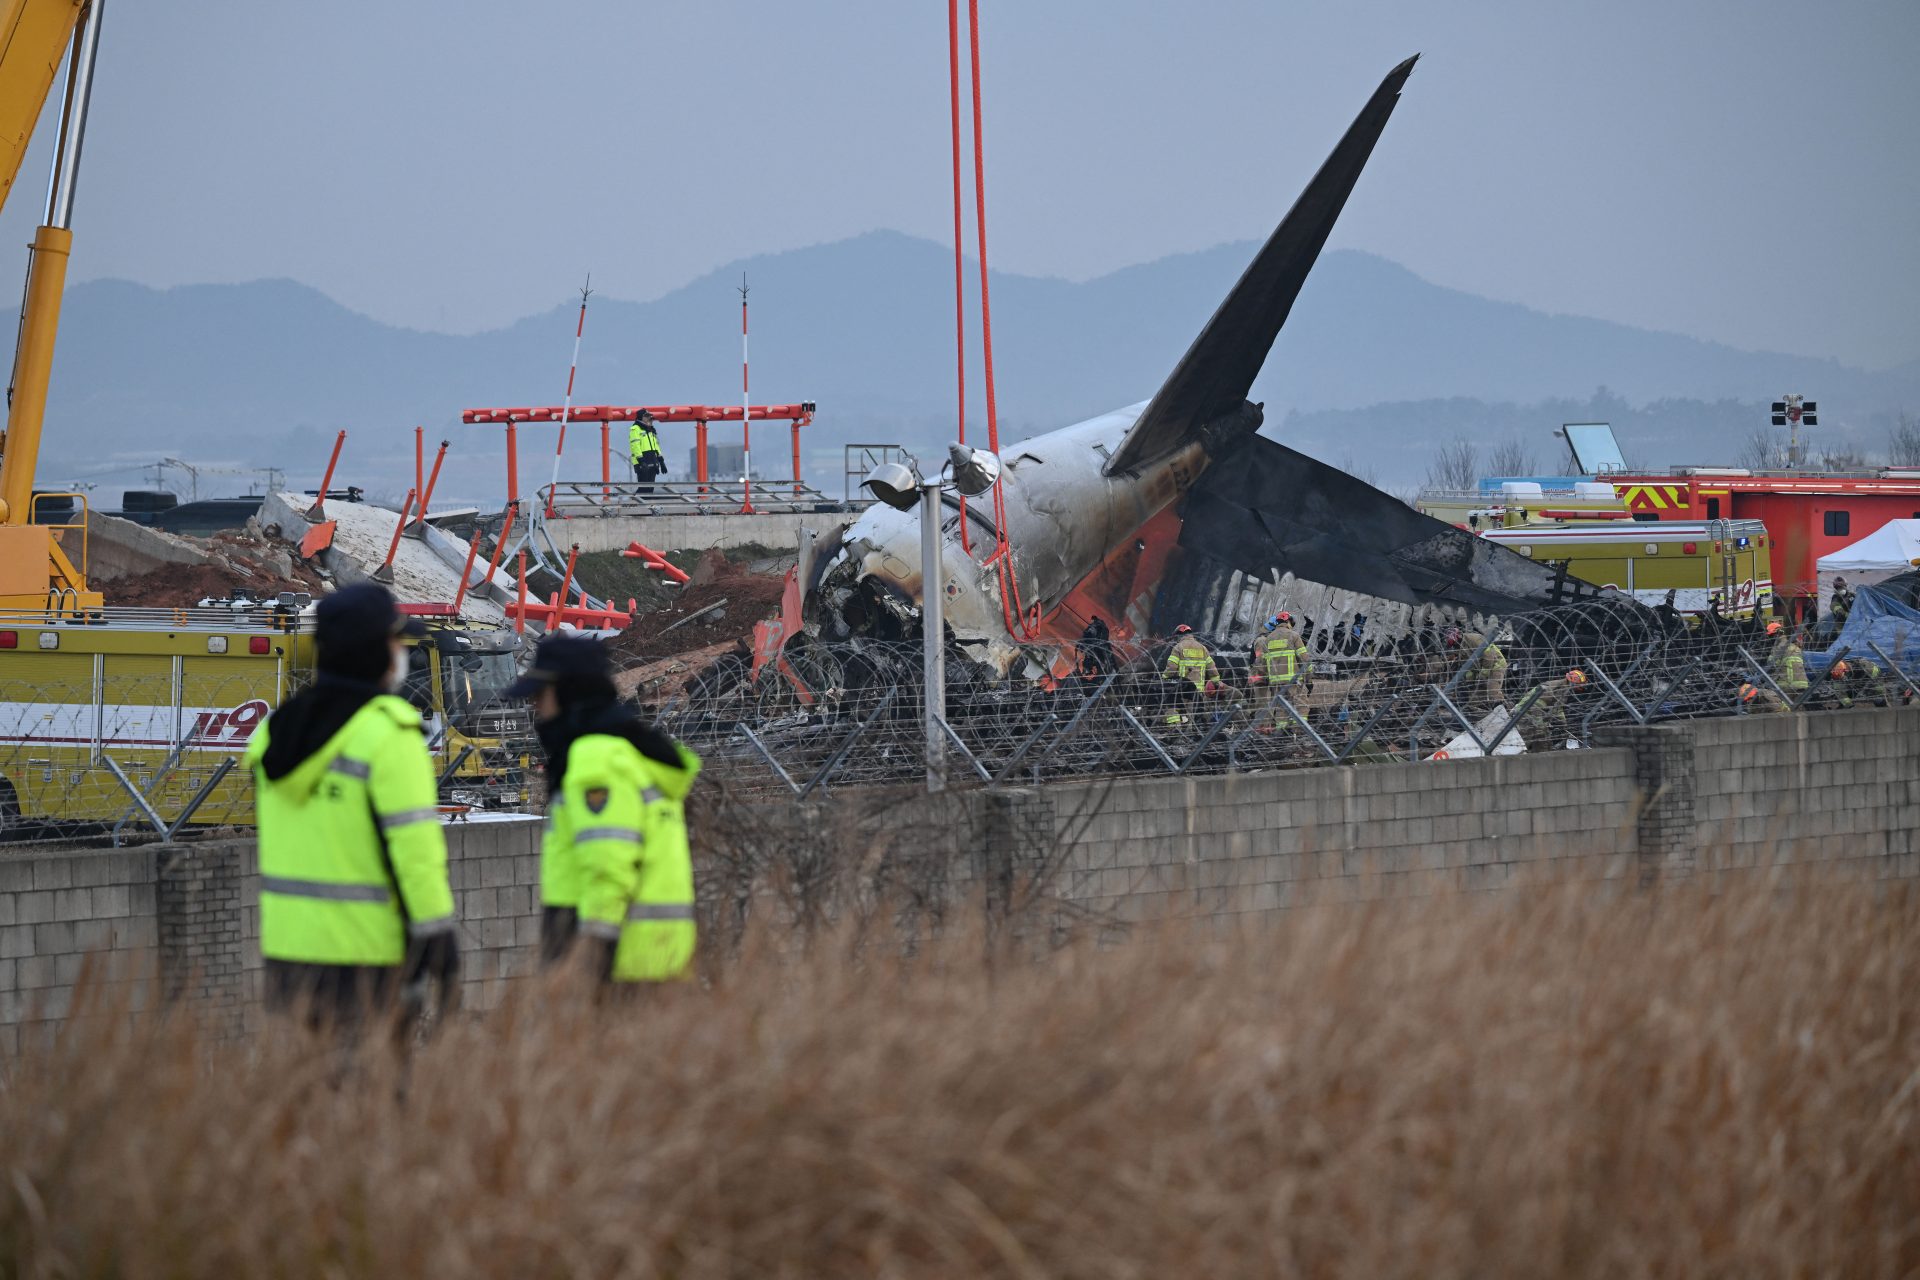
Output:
x=1875 y=619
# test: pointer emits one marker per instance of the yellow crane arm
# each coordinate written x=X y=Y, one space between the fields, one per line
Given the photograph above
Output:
x=33 y=40
x=33 y=36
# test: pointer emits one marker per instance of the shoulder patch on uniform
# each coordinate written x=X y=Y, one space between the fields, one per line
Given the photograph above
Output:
x=596 y=798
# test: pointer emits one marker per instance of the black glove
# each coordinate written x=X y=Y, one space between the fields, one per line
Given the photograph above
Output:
x=436 y=956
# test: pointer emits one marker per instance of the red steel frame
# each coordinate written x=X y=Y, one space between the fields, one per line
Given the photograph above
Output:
x=798 y=415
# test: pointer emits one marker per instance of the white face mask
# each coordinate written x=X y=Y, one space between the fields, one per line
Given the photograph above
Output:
x=396 y=669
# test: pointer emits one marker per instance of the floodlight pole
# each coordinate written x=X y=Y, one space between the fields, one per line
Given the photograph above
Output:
x=933 y=627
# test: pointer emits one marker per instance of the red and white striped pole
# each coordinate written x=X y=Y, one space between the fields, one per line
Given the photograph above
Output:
x=746 y=411
x=566 y=408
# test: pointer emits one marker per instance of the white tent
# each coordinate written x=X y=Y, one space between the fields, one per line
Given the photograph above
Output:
x=1890 y=549
x=1894 y=546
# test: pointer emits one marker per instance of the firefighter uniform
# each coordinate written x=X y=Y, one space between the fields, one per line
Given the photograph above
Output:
x=643 y=449
x=1787 y=665
x=1280 y=658
x=1191 y=665
x=1490 y=672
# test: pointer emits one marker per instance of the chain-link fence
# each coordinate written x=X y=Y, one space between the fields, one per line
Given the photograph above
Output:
x=851 y=714
x=122 y=747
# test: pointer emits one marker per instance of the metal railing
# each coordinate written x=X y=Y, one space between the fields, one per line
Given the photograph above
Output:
x=591 y=499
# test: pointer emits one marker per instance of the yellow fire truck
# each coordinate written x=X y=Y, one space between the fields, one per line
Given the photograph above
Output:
x=139 y=715
x=1723 y=562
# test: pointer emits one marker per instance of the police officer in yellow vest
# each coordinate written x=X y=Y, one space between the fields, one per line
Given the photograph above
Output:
x=355 y=907
x=643 y=448
x=615 y=867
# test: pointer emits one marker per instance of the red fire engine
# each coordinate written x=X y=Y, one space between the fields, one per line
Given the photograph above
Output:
x=1808 y=514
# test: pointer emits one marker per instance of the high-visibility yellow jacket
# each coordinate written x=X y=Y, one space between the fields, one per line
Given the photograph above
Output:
x=1189 y=660
x=1493 y=662
x=1281 y=656
x=353 y=860
x=624 y=851
x=641 y=440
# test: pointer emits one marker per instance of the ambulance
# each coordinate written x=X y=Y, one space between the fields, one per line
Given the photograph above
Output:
x=139 y=716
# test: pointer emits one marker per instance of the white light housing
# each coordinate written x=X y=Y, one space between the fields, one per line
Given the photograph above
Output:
x=49 y=639
x=216 y=644
x=895 y=484
x=975 y=471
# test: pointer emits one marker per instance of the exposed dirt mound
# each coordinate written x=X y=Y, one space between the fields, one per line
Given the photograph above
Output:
x=748 y=598
x=177 y=586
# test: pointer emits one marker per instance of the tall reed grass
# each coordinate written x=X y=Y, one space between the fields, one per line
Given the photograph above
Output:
x=1672 y=1083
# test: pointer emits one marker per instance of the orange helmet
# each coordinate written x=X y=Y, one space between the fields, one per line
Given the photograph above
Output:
x=1182 y=629
x=1747 y=693
x=1839 y=671
x=1576 y=676
x=1775 y=627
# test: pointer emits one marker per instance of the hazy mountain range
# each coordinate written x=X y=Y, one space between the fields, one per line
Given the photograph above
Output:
x=1376 y=367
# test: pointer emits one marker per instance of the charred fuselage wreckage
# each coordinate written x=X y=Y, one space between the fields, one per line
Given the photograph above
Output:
x=1163 y=504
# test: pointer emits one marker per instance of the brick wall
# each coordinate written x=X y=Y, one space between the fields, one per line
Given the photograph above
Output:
x=1149 y=848
x=63 y=910
x=1835 y=787
x=1714 y=798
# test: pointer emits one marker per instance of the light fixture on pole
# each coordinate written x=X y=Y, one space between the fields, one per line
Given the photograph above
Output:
x=1793 y=412
x=973 y=472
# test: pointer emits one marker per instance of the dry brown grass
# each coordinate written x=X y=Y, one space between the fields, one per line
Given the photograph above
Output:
x=1539 y=1083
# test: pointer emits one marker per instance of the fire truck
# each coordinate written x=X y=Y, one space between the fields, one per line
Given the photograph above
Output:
x=140 y=715
x=1715 y=564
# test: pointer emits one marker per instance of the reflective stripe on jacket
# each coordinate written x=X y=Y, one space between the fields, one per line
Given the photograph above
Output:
x=1789 y=667
x=353 y=859
x=1281 y=655
x=1190 y=661
x=627 y=822
x=641 y=441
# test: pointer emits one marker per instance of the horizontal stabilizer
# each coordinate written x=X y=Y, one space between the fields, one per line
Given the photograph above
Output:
x=1270 y=510
x=1213 y=378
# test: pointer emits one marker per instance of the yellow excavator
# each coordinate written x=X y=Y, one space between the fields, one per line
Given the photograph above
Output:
x=43 y=567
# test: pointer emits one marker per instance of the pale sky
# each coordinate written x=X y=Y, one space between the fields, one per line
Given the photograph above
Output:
x=1746 y=171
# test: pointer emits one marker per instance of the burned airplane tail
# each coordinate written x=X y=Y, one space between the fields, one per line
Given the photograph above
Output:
x=1207 y=391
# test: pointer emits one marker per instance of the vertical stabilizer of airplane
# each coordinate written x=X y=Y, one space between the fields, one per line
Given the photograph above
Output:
x=1212 y=380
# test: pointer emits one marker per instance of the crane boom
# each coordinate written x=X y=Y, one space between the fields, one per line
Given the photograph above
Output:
x=33 y=34
x=33 y=38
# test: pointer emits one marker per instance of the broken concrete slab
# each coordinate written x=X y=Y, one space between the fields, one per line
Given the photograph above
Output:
x=118 y=548
x=425 y=570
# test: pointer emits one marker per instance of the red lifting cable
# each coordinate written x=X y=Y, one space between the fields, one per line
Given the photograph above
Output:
x=959 y=251
x=1021 y=622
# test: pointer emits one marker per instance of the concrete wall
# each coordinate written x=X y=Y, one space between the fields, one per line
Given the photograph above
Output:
x=186 y=917
x=1149 y=848
x=1718 y=798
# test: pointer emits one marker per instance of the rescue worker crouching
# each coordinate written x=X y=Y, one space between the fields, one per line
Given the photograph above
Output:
x=1786 y=663
x=643 y=449
x=615 y=866
x=355 y=907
